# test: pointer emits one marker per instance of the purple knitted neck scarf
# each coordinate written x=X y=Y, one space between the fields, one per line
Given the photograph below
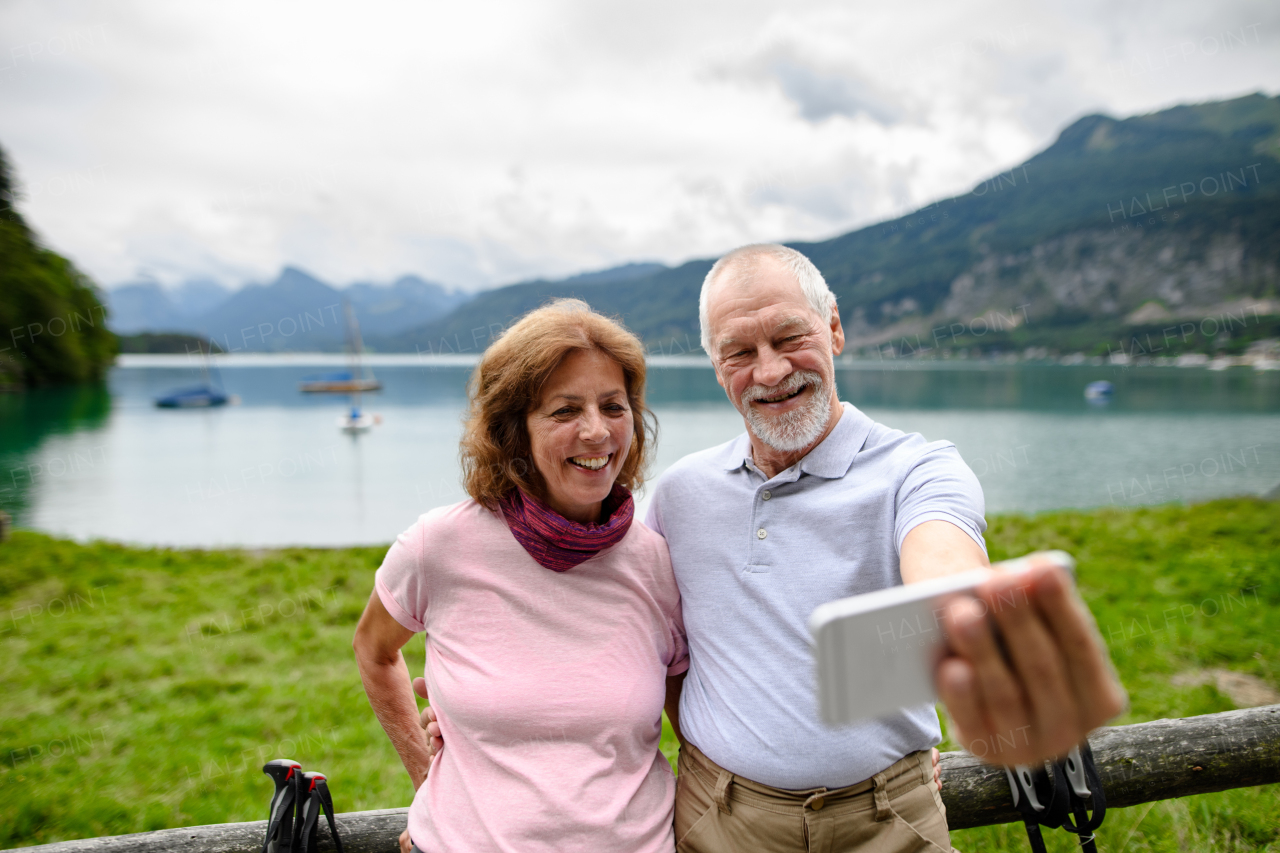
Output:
x=557 y=543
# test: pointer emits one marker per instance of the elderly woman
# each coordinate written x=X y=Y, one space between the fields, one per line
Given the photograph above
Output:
x=551 y=615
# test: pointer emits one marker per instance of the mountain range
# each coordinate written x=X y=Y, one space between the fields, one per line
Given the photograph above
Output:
x=1119 y=223
x=295 y=312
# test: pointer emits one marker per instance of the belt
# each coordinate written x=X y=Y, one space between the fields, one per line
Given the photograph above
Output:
x=874 y=793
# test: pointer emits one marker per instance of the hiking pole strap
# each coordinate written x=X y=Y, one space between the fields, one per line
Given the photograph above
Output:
x=307 y=823
x=1034 y=837
x=326 y=801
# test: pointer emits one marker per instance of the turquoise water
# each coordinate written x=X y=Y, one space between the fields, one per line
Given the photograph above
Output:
x=275 y=470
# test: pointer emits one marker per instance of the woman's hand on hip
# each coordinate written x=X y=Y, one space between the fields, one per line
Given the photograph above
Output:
x=430 y=724
x=434 y=744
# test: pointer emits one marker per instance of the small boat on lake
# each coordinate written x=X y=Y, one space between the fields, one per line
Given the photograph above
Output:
x=338 y=383
x=206 y=396
x=357 y=421
x=355 y=379
x=1100 y=390
x=199 y=397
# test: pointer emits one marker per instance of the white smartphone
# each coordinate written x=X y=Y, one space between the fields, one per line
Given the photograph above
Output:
x=876 y=653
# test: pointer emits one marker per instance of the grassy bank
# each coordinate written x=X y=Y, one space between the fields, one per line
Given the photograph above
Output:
x=145 y=688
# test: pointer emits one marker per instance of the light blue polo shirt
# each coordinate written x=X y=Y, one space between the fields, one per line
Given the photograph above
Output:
x=754 y=556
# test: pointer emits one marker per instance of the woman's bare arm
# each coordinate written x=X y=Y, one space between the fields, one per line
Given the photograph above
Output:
x=378 y=640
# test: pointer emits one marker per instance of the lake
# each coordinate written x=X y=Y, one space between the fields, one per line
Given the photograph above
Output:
x=275 y=470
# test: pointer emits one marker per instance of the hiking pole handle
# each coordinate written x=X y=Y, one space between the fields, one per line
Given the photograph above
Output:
x=285 y=772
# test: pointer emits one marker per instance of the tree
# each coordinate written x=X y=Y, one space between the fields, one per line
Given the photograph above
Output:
x=52 y=321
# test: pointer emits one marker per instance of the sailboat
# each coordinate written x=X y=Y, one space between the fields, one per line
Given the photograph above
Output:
x=357 y=377
x=357 y=420
x=204 y=396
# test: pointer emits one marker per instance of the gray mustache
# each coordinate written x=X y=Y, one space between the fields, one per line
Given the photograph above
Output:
x=792 y=383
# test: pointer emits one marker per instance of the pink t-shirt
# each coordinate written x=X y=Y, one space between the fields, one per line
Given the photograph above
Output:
x=548 y=687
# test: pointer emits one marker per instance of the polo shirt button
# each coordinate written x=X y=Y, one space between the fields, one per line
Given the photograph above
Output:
x=760 y=534
x=767 y=495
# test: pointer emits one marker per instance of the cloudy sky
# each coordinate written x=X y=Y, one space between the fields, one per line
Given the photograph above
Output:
x=482 y=143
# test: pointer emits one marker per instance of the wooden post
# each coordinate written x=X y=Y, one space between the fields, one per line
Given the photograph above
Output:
x=1159 y=760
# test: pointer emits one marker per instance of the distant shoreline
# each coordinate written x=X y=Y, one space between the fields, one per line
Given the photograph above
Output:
x=330 y=359
x=334 y=359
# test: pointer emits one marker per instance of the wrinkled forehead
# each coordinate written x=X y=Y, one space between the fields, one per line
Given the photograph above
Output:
x=749 y=273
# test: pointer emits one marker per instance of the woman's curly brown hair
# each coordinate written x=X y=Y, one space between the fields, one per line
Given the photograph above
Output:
x=507 y=385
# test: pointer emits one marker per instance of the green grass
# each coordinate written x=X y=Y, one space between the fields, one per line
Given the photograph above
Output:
x=145 y=688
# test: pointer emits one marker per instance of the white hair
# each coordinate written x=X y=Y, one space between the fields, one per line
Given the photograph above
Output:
x=743 y=262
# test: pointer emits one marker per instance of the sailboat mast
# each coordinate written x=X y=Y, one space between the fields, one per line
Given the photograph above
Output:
x=354 y=341
x=204 y=365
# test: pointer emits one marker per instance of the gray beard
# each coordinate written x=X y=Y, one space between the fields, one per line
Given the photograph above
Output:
x=794 y=430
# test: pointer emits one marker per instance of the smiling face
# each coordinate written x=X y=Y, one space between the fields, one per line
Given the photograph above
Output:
x=774 y=356
x=580 y=433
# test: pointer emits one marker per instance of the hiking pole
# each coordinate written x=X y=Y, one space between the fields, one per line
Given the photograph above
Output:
x=287 y=774
x=1084 y=795
x=1037 y=799
x=316 y=798
x=1070 y=797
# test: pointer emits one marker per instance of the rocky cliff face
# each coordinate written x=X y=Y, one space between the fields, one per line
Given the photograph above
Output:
x=1100 y=274
x=1136 y=275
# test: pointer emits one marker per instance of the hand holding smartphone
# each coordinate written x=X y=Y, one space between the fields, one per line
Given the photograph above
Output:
x=876 y=653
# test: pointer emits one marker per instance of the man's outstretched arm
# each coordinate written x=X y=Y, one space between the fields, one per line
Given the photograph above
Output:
x=1044 y=682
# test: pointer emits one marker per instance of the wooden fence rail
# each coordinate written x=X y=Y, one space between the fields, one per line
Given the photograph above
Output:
x=1160 y=760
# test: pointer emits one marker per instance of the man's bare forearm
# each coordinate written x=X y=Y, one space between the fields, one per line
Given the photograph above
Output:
x=390 y=692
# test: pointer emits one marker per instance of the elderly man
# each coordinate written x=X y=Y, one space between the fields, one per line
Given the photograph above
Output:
x=816 y=502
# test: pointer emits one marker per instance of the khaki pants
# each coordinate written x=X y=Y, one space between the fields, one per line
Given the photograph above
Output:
x=896 y=810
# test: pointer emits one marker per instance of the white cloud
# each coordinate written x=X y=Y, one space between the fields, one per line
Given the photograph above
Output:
x=483 y=143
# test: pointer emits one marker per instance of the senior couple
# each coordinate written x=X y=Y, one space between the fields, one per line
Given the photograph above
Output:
x=558 y=626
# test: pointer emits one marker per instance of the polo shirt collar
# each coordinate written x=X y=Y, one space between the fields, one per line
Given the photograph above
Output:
x=738 y=453
x=830 y=460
